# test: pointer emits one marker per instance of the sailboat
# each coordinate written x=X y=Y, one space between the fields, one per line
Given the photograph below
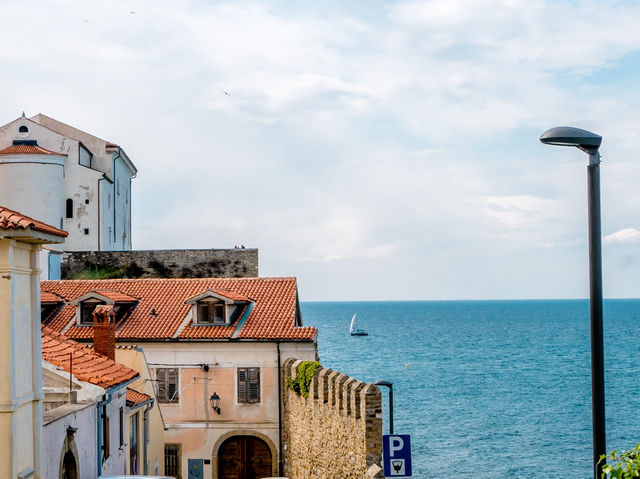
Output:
x=355 y=331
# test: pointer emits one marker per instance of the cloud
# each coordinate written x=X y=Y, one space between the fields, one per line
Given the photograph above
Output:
x=401 y=136
x=626 y=235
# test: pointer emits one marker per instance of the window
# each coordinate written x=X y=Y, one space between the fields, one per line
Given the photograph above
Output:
x=167 y=380
x=86 y=312
x=23 y=129
x=69 y=208
x=133 y=444
x=248 y=385
x=121 y=427
x=86 y=231
x=211 y=313
x=172 y=460
x=84 y=156
x=105 y=434
x=86 y=201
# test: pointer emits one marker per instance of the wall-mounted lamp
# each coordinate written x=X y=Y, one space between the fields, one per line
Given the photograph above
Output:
x=215 y=402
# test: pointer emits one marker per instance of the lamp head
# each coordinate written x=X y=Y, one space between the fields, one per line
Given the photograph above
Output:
x=569 y=136
x=214 y=400
x=383 y=382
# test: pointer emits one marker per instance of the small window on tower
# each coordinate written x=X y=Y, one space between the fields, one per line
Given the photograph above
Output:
x=23 y=129
x=86 y=231
x=86 y=202
x=69 y=208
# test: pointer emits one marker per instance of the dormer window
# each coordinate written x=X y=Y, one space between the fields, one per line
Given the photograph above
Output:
x=122 y=305
x=86 y=311
x=218 y=308
x=210 y=312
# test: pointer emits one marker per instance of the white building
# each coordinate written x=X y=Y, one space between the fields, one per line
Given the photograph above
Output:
x=70 y=179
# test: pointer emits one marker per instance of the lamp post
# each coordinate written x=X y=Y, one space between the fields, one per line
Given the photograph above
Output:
x=590 y=143
x=389 y=384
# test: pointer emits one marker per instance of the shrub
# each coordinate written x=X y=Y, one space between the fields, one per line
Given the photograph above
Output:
x=304 y=375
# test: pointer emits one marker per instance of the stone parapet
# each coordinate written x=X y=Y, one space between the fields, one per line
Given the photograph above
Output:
x=189 y=263
x=334 y=433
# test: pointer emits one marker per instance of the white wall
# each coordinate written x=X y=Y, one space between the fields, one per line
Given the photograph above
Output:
x=85 y=440
x=116 y=463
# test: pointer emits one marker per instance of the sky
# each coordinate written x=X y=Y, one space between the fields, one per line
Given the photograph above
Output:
x=379 y=150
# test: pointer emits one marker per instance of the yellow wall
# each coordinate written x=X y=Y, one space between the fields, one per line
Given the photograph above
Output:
x=20 y=369
x=135 y=359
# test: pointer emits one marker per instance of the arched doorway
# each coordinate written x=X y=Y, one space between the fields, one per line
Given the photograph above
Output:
x=244 y=457
x=69 y=466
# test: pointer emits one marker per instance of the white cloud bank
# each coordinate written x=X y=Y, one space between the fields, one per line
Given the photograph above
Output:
x=627 y=235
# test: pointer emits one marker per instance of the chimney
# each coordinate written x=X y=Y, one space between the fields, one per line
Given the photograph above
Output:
x=104 y=331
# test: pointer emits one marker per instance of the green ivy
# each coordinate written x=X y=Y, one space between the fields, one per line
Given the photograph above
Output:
x=624 y=465
x=301 y=383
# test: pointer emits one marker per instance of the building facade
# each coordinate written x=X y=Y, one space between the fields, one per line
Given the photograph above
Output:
x=70 y=179
x=214 y=347
x=21 y=395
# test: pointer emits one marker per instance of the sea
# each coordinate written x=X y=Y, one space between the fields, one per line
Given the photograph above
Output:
x=491 y=389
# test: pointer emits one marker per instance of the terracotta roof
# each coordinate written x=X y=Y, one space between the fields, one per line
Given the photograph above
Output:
x=134 y=398
x=10 y=219
x=161 y=312
x=116 y=296
x=46 y=297
x=28 y=150
x=88 y=365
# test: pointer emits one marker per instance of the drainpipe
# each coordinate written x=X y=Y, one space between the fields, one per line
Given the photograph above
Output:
x=106 y=399
x=145 y=417
x=279 y=411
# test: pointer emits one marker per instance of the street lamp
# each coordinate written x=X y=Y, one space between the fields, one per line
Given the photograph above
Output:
x=389 y=384
x=214 y=400
x=589 y=143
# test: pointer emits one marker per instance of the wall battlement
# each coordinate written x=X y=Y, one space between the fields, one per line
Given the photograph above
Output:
x=336 y=431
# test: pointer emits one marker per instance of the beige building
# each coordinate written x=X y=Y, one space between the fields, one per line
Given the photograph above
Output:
x=214 y=347
x=21 y=395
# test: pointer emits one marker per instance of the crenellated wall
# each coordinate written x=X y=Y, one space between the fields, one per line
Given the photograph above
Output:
x=334 y=433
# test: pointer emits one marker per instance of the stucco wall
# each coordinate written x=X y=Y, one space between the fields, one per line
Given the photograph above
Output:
x=192 y=423
x=83 y=440
x=192 y=263
x=336 y=431
x=20 y=367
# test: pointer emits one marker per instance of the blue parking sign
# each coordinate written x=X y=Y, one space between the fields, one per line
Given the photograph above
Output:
x=396 y=452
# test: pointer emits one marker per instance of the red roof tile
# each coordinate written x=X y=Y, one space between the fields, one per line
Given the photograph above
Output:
x=162 y=311
x=46 y=297
x=134 y=398
x=10 y=219
x=88 y=365
x=28 y=150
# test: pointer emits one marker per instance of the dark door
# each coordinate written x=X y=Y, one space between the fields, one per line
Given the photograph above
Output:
x=244 y=457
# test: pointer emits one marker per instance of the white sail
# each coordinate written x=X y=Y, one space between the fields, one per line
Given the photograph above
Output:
x=352 y=321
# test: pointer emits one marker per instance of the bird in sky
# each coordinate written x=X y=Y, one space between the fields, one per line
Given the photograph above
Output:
x=226 y=93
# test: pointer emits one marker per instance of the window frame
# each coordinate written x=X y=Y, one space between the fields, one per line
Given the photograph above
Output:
x=163 y=386
x=248 y=386
x=84 y=306
x=178 y=459
x=211 y=318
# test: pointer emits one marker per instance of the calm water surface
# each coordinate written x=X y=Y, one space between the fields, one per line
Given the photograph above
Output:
x=491 y=389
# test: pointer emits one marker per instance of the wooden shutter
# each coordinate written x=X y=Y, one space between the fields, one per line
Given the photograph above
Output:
x=173 y=394
x=242 y=385
x=254 y=385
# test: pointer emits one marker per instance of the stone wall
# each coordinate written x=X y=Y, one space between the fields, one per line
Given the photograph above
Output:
x=334 y=433
x=188 y=263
